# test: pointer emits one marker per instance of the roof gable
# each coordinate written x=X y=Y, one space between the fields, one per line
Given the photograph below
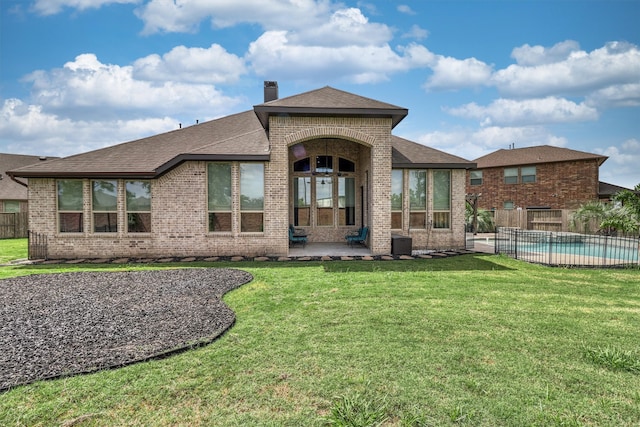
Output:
x=9 y=189
x=534 y=155
x=329 y=101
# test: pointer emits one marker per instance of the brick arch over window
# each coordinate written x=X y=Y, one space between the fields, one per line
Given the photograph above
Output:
x=330 y=132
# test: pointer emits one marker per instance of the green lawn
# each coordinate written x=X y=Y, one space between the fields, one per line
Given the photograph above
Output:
x=12 y=249
x=468 y=340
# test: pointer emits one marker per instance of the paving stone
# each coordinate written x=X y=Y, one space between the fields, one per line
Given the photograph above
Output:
x=99 y=261
x=237 y=258
x=346 y=258
x=304 y=258
x=261 y=258
x=406 y=257
x=120 y=261
x=326 y=258
x=188 y=259
x=424 y=256
x=212 y=259
x=75 y=261
x=284 y=258
x=387 y=258
x=367 y=258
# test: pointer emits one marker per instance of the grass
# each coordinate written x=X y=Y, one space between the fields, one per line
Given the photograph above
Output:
x=12 y=249
x=476 y=340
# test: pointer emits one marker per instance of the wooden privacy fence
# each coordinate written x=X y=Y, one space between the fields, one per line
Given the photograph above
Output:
x=13 y=225
x=555 y=220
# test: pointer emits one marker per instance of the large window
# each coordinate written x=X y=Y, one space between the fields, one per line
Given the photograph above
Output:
x=324 y=200
x=251 y=197
x=70 y=205
x=441 y=199
x=138 y=206
x=346 y=201
x=302 y=201
x=528 y=174
x=219 y=196
x=511 y=175
x=417 y=199
x=396 y=199
x=104 y=204
x=476 y=178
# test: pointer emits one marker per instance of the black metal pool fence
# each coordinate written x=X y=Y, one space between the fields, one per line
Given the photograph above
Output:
x=567 y=249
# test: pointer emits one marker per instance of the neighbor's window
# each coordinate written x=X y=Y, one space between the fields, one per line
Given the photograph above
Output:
x=476 y=178
x=11 y=206
x=396 y=198
x=104 y=204
x=441 y=199
x=138 y=206
x=302 y=201
x=70 y=205
x=528 y=174
x=346 y=201
x=417 y=199
x=511 y=175
x=219 y=196
x=324 y=201
x=251 y=197
x=508 y=205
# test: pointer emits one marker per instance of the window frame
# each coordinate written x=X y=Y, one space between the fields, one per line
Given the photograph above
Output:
x=397 y=198
x=510 y=178
x=224 y=211
x=110 y=212
x=79 y=213
x=246 y=210
x=441 y=217
x=130 y=213
x=478 y=179
x=528 y=178
x=418 y=211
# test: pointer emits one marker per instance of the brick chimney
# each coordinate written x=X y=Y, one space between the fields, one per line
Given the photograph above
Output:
x=270 y=91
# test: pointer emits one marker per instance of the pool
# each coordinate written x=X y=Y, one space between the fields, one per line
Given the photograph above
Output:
x=568 y=248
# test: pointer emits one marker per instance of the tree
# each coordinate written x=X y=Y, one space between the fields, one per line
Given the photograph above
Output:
x=609 y=219
x=630 y=199
x=485 y=222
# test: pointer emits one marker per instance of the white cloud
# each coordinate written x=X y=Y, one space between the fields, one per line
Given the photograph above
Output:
x=627 y=95
x=616 y=63
x=186 y=15
x=539 y=55
x=622 y=166
x=51 y=7
x=89 y=89
x=32 y=131
x=451 y=73
x=274 y=54
x=403 y=8
x=213 y=65
x=473 y=143
x=531 y=111
x=416 y=33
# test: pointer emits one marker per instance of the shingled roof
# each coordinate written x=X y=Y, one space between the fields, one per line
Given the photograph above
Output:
x=239 y=137
x=9 y=189
x=534 y=155
x=409 y=154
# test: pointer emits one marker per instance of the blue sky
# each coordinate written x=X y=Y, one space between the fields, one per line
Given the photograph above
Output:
x=476 y=76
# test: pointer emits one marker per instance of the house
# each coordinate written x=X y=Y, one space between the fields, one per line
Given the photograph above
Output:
x=324 y=161
x=535 y=177
x=606 y=191
x=14 y=194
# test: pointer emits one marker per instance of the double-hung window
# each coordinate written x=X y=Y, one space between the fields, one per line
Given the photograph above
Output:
x=70 y=205
x=104 y=204
x=138 y=206
x=397 y=184
x=511 y=175
x=476 y=177
x=251 y=197
x=219 y=195
x=528 y=174
x=441 y=199
x=417 y=199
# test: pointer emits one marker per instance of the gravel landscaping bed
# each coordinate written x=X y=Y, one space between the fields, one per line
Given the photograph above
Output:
x=54 y=325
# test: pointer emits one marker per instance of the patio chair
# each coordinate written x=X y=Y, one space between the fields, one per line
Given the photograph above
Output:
x=293 y=238
x=361 y=237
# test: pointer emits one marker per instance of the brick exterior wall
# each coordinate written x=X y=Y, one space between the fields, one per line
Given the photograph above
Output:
x=559 y=185
x=179 y=217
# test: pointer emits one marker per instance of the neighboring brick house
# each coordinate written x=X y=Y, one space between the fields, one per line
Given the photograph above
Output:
x=324 y=161
x=13 y=194
x=535 y=177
